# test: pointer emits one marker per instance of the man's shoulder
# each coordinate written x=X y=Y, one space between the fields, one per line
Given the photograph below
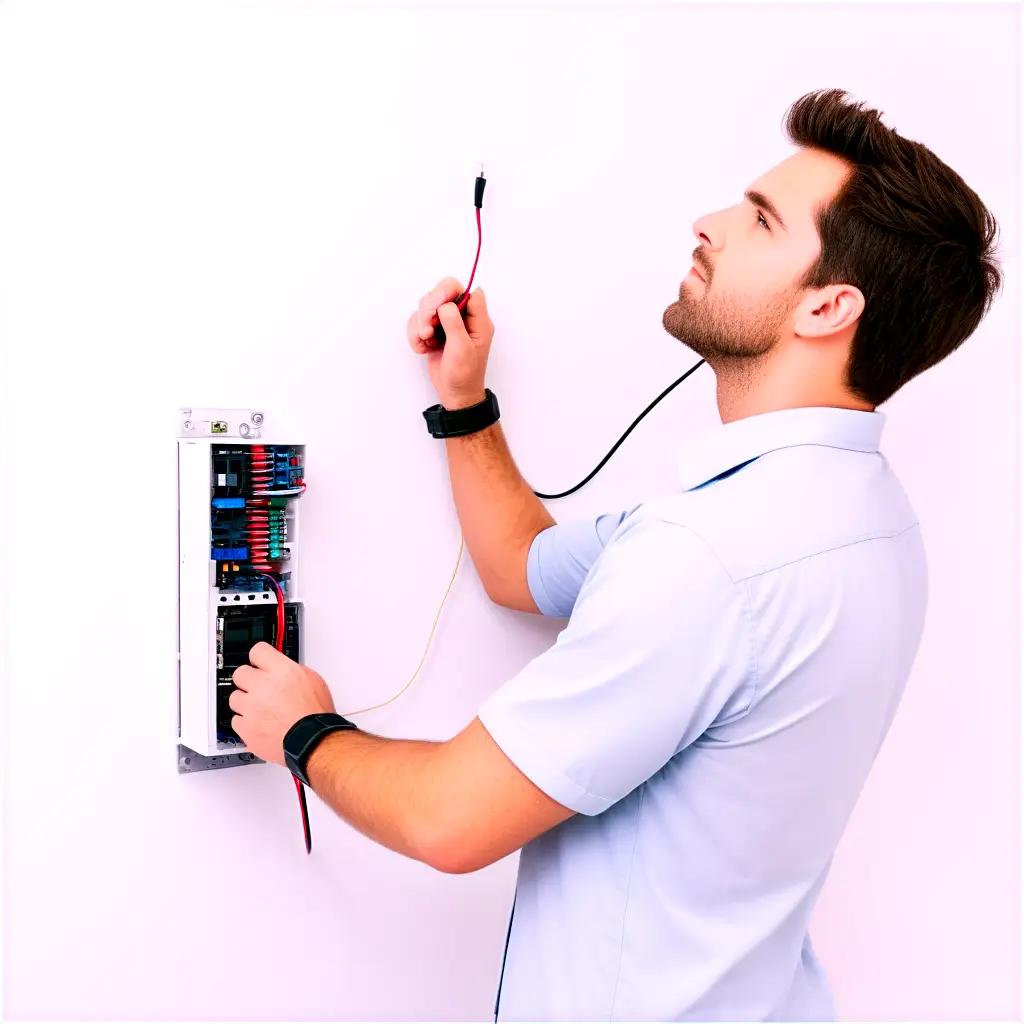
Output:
x=788 y=505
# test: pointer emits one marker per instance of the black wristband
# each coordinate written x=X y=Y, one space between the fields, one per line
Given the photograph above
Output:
x=302 y=738
x=442 y=422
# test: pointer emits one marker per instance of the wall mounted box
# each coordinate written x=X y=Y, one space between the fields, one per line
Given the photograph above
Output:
x=239 y=523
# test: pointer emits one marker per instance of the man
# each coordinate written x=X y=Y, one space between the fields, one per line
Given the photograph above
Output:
x=679 y=766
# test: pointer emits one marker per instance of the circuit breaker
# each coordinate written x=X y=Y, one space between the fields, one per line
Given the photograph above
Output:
x=239 y=569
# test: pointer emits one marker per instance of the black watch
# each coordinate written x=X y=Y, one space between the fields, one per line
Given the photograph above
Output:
x=442 y=422
x=305 y=734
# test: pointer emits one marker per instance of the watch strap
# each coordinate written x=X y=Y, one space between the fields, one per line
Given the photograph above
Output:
x=302 y=738
x=442 y=422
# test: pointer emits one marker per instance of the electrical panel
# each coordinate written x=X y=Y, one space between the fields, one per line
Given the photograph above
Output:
x=239 y=569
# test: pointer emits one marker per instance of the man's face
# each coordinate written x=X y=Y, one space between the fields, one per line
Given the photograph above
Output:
x=748 y=300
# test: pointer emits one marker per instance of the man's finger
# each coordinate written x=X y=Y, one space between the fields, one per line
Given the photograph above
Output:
x=243 y=676
x=412 y=330
x=444 y=291
x=447 y=288
x=265 y=656
x=451 y=320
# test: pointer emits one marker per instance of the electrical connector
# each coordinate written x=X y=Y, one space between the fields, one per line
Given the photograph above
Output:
x=481 y=182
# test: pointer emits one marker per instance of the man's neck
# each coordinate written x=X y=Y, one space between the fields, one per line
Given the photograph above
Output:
x=749 y=389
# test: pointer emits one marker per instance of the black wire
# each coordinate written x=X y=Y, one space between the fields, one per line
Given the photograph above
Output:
x=305 y=817
x=624 y=436
x=478 y=202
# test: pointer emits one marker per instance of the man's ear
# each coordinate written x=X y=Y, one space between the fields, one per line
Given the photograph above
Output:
x=828 y=310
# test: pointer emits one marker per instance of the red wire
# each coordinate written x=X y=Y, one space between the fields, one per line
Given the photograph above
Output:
x=305 y=813
x=279 y=645
x=479 y=240
x=261 y=462
x=279 y=632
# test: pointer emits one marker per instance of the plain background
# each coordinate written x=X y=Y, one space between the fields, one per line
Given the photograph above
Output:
x=231 y=204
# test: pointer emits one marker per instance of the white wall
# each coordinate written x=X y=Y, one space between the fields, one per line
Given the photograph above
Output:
x=215 y=203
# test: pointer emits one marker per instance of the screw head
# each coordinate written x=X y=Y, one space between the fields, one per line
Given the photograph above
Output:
x=243 y=429
x=188 y=424
x=257 y=418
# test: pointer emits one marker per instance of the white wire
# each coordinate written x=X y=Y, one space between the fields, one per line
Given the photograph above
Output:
x=346 y=714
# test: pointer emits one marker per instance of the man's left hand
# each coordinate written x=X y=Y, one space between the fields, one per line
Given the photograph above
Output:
x=273 y=693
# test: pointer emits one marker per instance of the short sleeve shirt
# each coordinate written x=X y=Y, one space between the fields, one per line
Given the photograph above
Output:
x=734 y=655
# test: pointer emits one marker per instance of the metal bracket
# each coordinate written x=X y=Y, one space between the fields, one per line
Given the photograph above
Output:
x=190 y=761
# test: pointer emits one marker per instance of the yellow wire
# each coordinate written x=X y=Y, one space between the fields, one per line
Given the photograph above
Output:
x=346 y=714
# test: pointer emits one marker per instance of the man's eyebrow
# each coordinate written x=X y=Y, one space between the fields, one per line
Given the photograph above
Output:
x=760 y=199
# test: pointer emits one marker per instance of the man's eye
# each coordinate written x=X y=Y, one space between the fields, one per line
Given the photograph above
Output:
x=761 y=220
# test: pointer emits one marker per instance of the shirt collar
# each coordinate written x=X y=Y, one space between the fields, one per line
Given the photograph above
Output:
x=728 y=445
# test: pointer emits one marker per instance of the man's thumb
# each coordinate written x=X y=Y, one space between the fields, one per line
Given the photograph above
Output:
x=451 y=319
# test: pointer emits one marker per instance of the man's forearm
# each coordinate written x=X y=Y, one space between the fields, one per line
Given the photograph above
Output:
x=497 y=509
x=388 y=789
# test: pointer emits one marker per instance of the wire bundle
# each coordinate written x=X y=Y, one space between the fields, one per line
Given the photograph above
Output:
x=266 y=523
x=266 y=531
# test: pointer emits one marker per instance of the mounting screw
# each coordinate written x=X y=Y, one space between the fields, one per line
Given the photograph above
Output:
x=257 y=418
x=243 y=429
x=188 y=424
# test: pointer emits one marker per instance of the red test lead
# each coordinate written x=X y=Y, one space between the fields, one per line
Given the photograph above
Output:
x=461 y=301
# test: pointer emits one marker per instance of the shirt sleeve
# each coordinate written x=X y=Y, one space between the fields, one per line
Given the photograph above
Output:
x=657 y=649
x=561 y=556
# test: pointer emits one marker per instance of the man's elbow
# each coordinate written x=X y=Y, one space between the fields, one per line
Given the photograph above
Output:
x=453 y=854
x=457 y=865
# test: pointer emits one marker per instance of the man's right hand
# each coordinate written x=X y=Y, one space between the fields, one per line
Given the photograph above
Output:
x=458 y=367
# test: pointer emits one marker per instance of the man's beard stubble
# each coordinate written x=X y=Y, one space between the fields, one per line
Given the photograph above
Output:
x=725 y=338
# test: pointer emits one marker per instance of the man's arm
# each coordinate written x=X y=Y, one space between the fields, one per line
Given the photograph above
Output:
x=498 y=511
x=457 y=806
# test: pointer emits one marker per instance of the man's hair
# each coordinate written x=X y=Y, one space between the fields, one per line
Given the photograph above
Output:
x=908 y=232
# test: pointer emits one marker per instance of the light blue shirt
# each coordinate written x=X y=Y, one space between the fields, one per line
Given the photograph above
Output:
x=734 y=655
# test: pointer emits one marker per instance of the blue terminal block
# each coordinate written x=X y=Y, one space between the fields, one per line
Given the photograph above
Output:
x=229 y=502
x=234 y=554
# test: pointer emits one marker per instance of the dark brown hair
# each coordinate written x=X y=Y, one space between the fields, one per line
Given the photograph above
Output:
x=908 y=232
